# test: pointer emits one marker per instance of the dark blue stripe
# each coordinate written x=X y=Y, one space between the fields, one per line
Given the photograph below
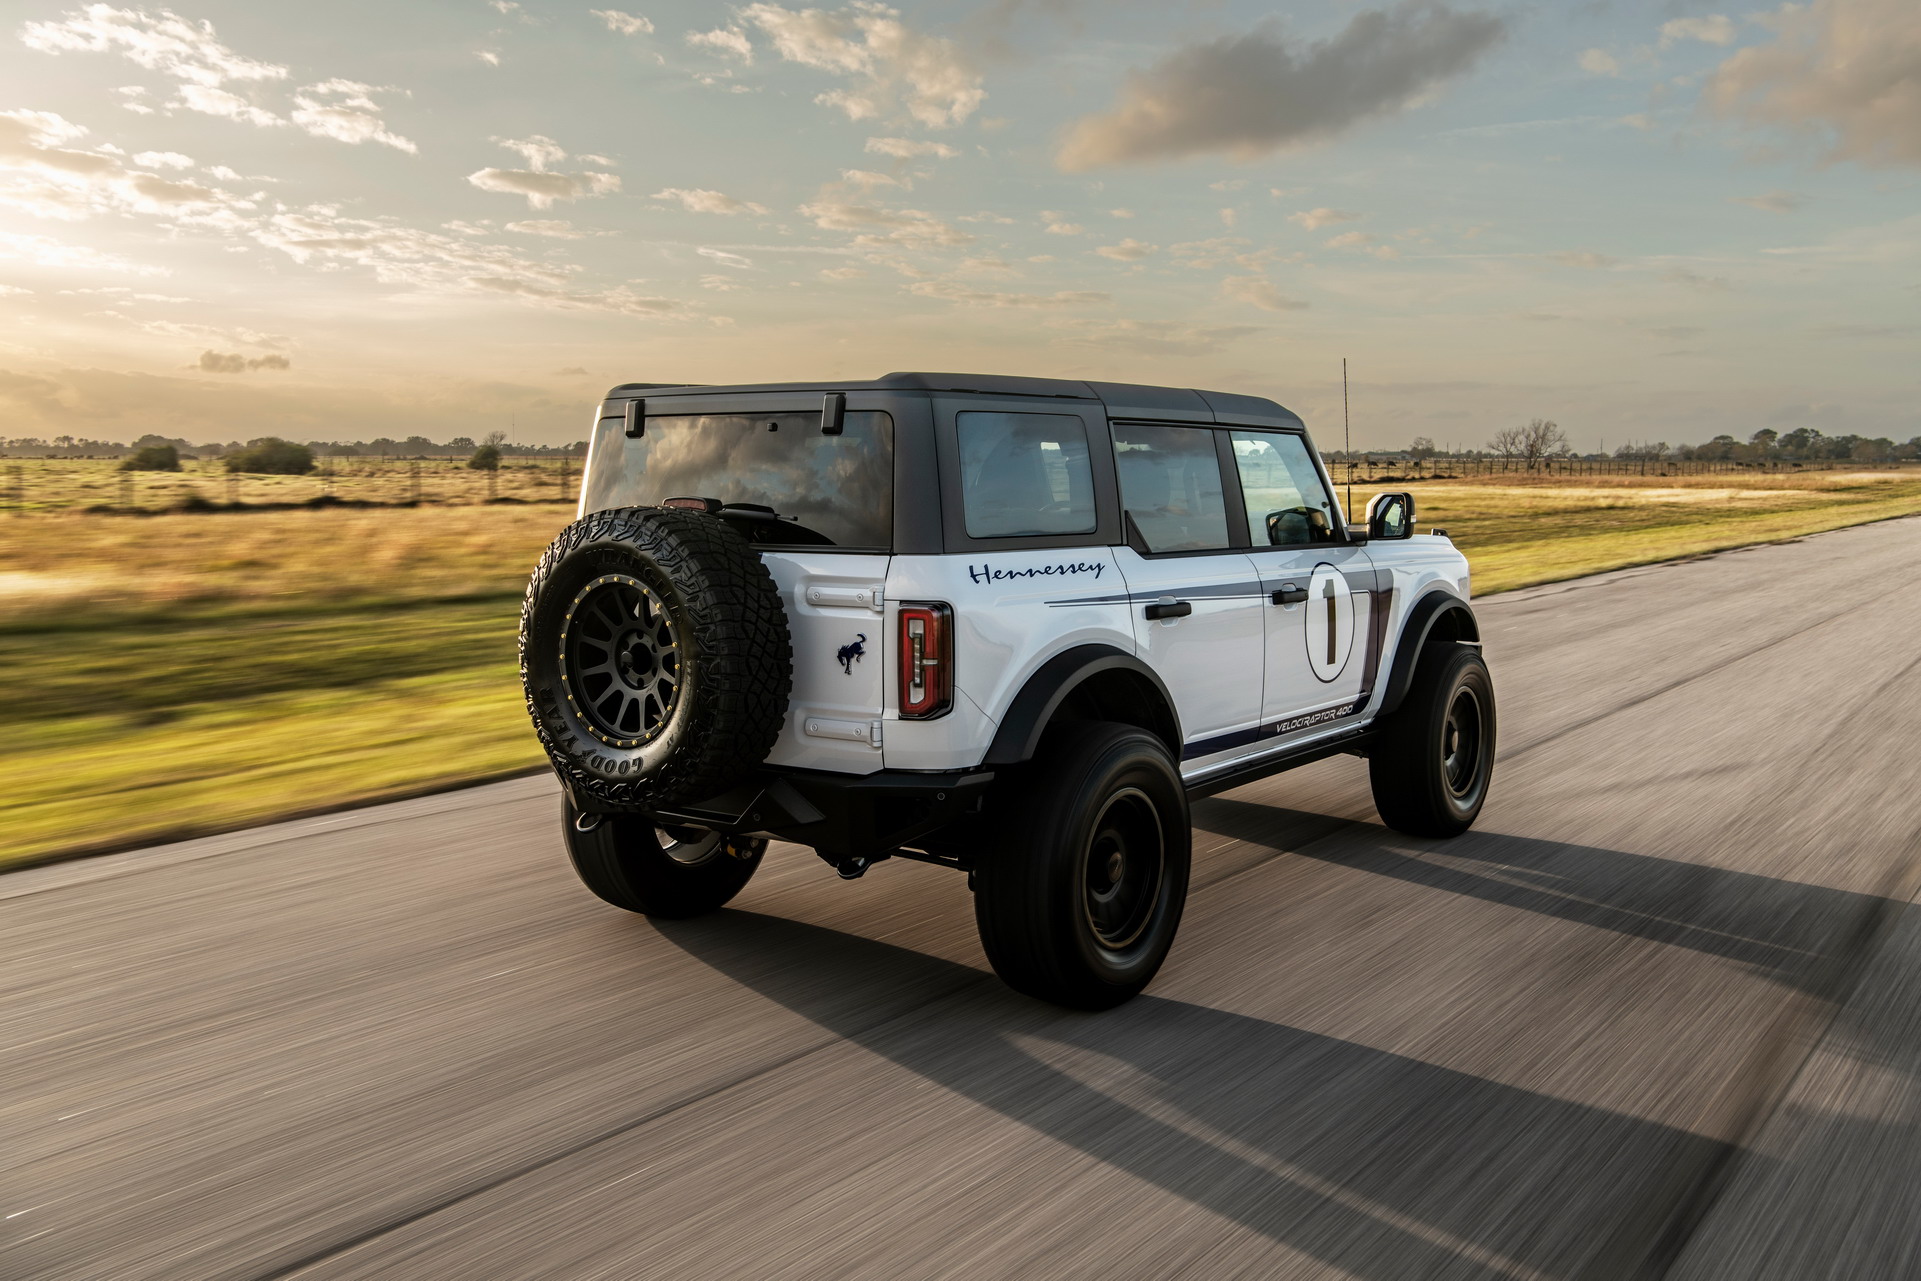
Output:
x=1273 y=729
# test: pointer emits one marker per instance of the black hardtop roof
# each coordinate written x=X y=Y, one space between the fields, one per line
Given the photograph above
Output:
x=1121 y=399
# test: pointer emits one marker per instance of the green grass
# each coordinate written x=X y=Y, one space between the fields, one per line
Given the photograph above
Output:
x=131 y=734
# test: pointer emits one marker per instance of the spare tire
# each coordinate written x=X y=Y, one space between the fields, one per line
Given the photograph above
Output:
x=655 y=656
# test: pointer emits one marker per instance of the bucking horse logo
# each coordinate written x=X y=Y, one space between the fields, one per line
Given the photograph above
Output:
x=850 y=654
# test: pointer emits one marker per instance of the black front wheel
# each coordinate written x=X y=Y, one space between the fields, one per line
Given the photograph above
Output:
x=658 y=871
x=1432 y=766
x=1079 y=898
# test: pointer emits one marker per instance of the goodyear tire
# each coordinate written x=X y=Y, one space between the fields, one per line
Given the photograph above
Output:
x=655 y=657
x=1431 y=770
x=1078 y=901
x=655 y=871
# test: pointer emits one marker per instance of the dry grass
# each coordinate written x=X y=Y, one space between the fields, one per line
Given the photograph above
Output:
x=77 y=567
x=61 y=484
x=1517 y=532
x=177 y=674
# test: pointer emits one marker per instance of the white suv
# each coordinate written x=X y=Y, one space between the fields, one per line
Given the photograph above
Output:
x=1006 y=625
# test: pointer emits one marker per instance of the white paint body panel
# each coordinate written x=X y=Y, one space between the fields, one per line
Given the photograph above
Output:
x=1012 y=612
x=831 y=599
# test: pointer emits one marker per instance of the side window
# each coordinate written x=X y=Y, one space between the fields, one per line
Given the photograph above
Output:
x=1286 y=502
x=1171 y=485
x=1024 y=474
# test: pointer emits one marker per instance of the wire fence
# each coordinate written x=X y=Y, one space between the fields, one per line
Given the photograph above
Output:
x=1365 y=469
x=99 y=485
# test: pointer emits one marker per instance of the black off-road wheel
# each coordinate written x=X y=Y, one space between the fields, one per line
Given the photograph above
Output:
x=1079 y=898
x=658 y=871
x=655 y=656
x=1434 y=760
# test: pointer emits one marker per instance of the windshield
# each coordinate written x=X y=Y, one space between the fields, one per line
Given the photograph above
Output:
x=837 y=490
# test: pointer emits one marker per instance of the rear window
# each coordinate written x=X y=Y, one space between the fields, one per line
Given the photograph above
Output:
x=1025 y=475
x=825 y=490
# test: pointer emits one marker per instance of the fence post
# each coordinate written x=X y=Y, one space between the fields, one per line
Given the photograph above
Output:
x=563 y=478
x=413 y=474
x=19 y=490
x=233 y=489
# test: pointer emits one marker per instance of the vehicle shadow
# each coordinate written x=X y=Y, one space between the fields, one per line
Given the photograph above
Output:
x=1803 y=936
x=1384 y=1166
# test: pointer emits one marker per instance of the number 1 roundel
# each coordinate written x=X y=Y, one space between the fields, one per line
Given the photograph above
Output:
x=1330 y=622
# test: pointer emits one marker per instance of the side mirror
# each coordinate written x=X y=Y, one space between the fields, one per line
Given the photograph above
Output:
x=1390 y=516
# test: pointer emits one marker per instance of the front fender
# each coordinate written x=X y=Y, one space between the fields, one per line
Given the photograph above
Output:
x=1439 y=609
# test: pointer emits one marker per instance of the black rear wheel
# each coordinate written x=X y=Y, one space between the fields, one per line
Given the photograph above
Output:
x=1431 y=768
x=658 y=871
x=1079 y=898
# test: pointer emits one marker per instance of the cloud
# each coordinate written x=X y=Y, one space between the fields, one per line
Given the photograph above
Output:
x=165 y=43
x=552 y=228
x=345 y=111
x=433 y=263
x=211 y=101
x=1258 y=93
x=879 y=228
x=626 y=24
x=952 y=291
x=488 y=56
x=1057 y=224
x=1694 y=280
x=866 y=180
x=1350 y=240
x=1773 y=201
x=1153 y=337
x=1714 y=29
x=910 y=148
x=1582 y=258
x=540 y=185
x=49 y=180
x=1258 y=291
x=13 y=291
x=1599 y=62
x=700 y=200
x=842 y=273
x=45 y=251
x=1129 y=250
x=213 y=362
x=1847 y=71
x=892 y=69
x=1315 y=219
x=730 y=41
x=162 y=160
x=1120 y=213
x=571 y=371
x=725 y=259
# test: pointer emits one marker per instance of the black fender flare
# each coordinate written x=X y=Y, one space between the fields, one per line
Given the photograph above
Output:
x=1019 y=734
x=1426 y=614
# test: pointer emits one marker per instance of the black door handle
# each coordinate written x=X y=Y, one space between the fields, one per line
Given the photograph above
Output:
x=1289 y=594
x=1170 y=609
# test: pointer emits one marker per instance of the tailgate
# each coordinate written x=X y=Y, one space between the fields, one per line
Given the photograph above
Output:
x=835 y=611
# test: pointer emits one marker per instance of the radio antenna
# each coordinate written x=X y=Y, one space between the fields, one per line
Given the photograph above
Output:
x=1347 y=442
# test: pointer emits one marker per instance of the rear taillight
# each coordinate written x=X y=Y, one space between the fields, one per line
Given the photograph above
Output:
x=926 y=661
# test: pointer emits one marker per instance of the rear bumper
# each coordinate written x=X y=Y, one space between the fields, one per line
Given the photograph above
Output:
x=841 y=815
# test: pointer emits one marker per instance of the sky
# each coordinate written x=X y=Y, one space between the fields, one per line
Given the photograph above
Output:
x=1654 y=220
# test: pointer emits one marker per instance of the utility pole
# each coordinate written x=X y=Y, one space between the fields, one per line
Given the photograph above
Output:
x=1347 y=443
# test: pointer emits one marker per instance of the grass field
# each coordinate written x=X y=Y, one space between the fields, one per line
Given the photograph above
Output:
x=65 y=484
x=176 y=674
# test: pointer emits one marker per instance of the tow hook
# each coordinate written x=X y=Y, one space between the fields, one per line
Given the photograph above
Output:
x=855 y=866
x=586 y=822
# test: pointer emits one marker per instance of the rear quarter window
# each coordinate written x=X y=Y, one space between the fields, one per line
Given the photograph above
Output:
x=1025 y=475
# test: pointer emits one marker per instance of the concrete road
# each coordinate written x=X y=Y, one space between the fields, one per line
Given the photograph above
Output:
x=1656 y=1015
